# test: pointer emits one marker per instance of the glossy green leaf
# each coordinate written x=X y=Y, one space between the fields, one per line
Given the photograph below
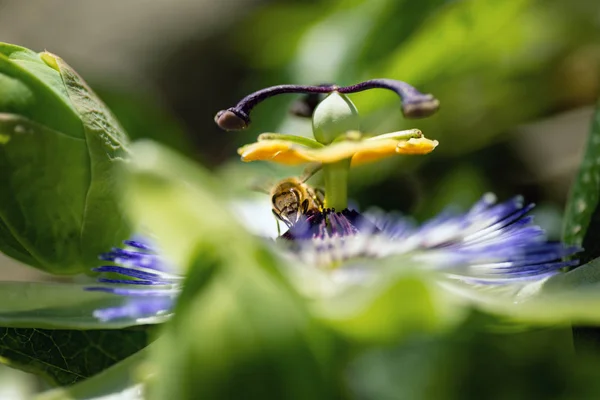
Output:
x=36 y=227
x=64 y=357
x=239 y=330
x=582 y=216
x=50 y=329
x=60 y=149
x=61 y=306
x=36 y=91
x=122 y=381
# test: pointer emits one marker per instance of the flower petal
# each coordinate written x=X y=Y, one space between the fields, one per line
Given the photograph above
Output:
x=416 y=146
x=279 y=151
x=376 y=151
x=361 y=151
x=347 y=149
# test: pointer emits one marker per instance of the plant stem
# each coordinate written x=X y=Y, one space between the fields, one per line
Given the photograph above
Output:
x=336 y=184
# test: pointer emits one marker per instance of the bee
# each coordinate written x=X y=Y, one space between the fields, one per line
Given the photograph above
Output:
x=292 y=198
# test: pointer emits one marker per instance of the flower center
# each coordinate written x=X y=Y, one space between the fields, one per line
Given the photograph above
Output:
x=327 y=223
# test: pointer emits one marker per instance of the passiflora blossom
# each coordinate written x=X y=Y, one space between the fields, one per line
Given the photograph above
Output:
x=492 y=243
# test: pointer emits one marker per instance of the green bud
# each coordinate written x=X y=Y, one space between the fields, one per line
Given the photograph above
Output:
x=333 y=117
x=60 y=148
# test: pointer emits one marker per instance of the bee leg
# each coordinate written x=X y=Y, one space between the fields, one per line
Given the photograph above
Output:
x=277 y=222
x=320 y=197
x=305 y=206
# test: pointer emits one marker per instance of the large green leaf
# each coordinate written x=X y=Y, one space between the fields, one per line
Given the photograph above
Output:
x=43 y=172
x=60 y=150
x=582 y=216
x=64 y=357
x=34 y=90
x=50 y=329
x=239 y=330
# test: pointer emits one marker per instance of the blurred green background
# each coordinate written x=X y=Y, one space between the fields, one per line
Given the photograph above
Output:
x=517 y=80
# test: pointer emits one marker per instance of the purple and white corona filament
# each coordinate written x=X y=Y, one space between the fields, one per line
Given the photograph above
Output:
x=492 y=244
x=143 y=276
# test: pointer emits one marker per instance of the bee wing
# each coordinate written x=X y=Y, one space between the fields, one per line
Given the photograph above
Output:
x=260 y=185
x=309 y=171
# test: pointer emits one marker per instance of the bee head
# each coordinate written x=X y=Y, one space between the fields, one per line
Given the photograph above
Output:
x=287 y=205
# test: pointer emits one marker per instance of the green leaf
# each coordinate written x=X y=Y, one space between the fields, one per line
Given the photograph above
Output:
x=33 y=204
x=582 y=216
x=56 y=345
x=239 y=330
x=36 y=91
x=61 y=306
x=106 y=144
x=64 y=357
x=60 y=151
x=122 y=381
